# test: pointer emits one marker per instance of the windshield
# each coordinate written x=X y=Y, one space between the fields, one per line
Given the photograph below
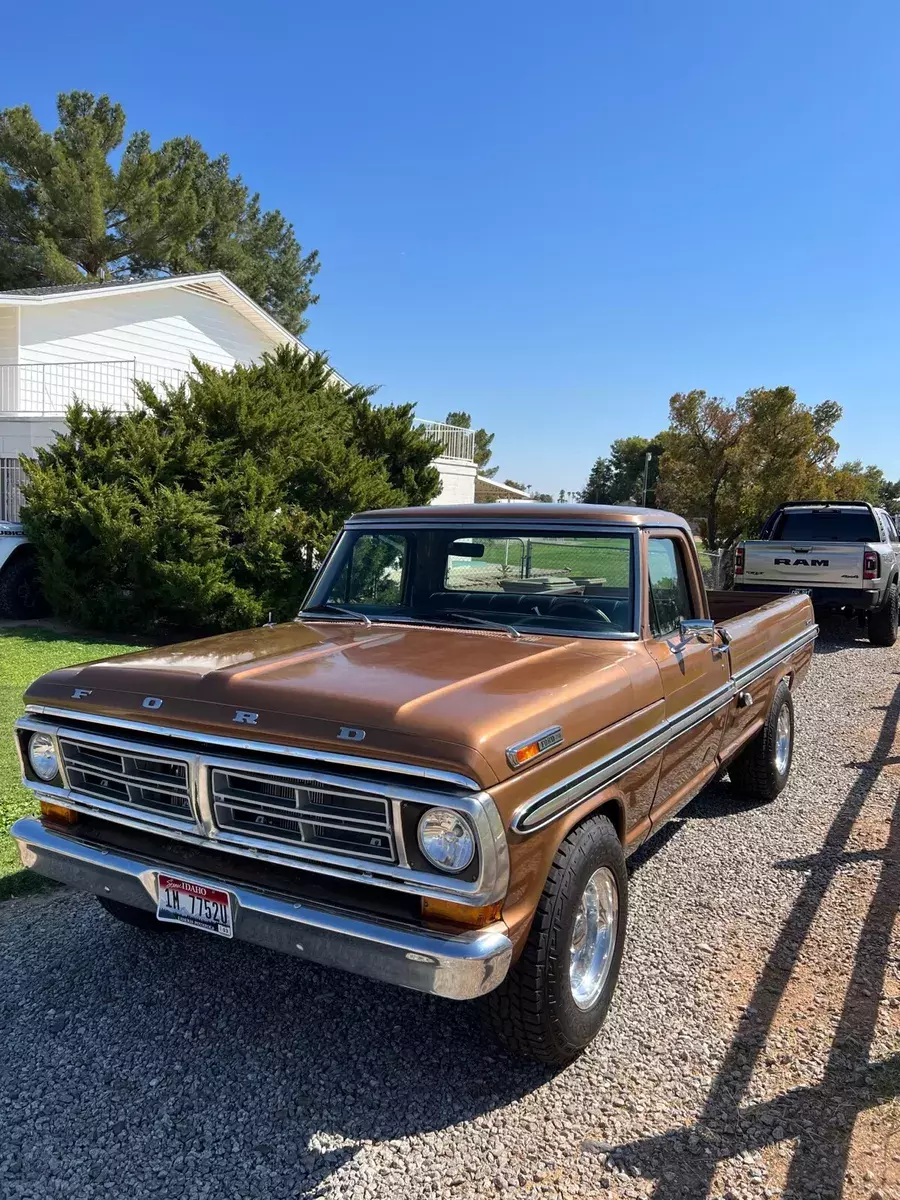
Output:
x=467 y=577
x=827 y=525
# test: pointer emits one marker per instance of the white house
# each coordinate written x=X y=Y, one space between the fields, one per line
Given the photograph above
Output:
x=92 y=340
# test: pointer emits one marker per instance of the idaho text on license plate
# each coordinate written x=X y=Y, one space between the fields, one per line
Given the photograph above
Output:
x=195 y=904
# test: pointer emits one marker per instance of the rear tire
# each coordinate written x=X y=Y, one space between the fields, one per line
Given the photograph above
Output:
x=21 y=597
x=139 y=918
x=883 y=623
x=761 y=770
x=555 y=998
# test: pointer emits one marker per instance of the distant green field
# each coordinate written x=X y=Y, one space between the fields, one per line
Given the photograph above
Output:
x=591 y=558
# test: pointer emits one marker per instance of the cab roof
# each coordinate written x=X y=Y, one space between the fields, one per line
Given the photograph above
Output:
x=498 y=514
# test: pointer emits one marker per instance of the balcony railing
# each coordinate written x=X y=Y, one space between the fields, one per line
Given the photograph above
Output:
x=456 y=442
x=47 y=389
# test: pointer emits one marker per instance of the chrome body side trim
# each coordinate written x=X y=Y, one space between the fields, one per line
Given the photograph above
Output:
x=547 y=805
x=458 y=966
x=488 y=887
x=357 y=762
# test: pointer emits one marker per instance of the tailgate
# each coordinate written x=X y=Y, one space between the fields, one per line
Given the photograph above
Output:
x=828 y=564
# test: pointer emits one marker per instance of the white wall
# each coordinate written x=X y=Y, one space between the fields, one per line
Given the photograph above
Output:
x=9 y=335
x=23 y=435
x=457 y=481
x=162 y=328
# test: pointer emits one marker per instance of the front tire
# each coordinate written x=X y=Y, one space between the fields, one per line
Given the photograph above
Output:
x=555 y=998
x=139 y=918
x=761 y=770
x=883 y=624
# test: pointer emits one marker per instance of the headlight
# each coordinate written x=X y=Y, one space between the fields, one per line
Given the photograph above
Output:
x=42 y=756
x=446 y=839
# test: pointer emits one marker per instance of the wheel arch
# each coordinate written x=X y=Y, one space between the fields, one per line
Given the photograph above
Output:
x=22 y=550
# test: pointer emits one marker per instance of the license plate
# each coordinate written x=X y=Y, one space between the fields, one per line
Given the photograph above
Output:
x=194 y=904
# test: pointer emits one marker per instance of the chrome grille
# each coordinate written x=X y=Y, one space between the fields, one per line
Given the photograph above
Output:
x=142 y=780
x=302 y=811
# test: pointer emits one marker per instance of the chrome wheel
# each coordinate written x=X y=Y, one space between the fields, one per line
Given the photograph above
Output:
x=782 y=740
x=594 y=938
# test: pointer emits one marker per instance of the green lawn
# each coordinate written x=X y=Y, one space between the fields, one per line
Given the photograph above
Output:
x=26 y=653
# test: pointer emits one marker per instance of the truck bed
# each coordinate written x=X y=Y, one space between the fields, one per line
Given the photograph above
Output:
x=759 y=623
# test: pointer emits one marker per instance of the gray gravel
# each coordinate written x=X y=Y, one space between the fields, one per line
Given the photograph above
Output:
x=136 y=1065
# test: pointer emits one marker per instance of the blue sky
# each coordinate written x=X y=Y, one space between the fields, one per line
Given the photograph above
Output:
x=553 y=216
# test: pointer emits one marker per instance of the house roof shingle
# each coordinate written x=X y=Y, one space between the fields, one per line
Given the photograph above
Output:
x=63 y=289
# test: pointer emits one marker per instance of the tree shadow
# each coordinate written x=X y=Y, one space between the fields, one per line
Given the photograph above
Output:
x=820 y=1118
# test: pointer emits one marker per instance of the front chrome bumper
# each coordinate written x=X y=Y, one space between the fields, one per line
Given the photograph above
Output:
x=456 y=966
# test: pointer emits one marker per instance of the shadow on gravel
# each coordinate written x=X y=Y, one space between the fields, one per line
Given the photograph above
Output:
x=820 y=1118
x=837 y=632
x=715 y=802
x=182 y=1060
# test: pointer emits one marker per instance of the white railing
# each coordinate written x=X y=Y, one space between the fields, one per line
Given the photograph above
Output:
x=457 y=442
x=11 y=475
x=47 y=389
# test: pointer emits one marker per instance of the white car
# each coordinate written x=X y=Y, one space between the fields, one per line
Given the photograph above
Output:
x=20 y=590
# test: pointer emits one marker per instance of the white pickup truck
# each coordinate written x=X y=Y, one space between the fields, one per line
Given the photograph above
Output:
x=20 y=592
x=845 y=554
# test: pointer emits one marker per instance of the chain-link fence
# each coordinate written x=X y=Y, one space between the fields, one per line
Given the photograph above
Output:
x=717 y=568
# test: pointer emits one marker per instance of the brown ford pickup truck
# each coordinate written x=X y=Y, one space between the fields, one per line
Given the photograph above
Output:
x=435 y=774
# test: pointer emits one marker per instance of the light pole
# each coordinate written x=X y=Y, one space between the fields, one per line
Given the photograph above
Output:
x=647 y=458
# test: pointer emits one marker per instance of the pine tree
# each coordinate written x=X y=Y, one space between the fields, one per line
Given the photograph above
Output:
x=68 y=215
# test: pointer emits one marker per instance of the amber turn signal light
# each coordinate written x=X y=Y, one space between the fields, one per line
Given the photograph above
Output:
x=524 y=753
x=58 y=812
x=460 y=914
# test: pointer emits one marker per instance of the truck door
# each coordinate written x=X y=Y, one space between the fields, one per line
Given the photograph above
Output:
x=692 y=672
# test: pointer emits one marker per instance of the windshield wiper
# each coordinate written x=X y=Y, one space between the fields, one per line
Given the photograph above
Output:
x=466 y=616
x=337 y=608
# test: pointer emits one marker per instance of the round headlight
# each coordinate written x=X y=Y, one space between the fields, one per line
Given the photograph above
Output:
x=42 y=756
x=446 y=839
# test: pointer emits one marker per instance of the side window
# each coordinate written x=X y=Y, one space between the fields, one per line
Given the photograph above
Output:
x=670 y=595
x=373 y=573
x=892 y=528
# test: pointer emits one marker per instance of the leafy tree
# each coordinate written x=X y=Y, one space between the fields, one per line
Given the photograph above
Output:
x=514 y=483
x=208 y=507
x=619 y=479
x=483 y=442
x=542 y=497
x=70 y=215
x=729 y=465
x=889 y=496
x=853 y=481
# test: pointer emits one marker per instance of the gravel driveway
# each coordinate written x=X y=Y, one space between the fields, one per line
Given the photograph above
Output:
x=753 y=1048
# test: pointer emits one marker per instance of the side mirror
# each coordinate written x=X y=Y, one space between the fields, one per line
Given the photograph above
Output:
x=698 y=629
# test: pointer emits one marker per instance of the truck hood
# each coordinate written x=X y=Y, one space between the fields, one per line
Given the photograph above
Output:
x=453 y=698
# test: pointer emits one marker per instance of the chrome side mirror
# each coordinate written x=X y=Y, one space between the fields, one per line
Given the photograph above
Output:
x=698 y=629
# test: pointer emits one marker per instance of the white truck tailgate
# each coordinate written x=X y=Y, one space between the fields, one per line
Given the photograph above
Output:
x=828 y=564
